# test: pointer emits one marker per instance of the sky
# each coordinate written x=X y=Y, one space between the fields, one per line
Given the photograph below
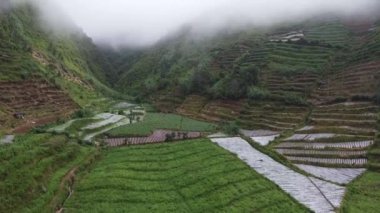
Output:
x=144 y=22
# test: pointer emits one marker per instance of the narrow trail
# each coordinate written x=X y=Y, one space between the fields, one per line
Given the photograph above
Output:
x=69 y=179
x=67 y=182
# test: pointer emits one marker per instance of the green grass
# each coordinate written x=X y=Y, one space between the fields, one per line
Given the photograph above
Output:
x=363 y=195
x=189 y=176
x=31 y=169
x=153 y=121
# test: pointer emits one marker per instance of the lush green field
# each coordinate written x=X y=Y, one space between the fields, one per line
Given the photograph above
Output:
x=363 y=195
x=31 y=170
x=189 y=176
x=154 y=121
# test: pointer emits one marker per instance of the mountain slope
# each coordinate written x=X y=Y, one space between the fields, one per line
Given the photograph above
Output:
x=281 y=61
x=60 y=68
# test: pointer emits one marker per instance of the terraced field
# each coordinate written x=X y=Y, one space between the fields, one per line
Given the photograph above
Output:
x=258 y=55
x=158 y=136
x=220 y=110
x=330 y=33
x=272 y=116
x=192 y=106
x=340 y=136
x=88 y=128
x=189 y=176
x=37 y=99
x=155 y=121
x=361 y=80
x=368 y=48
x=167 y=103
x=285 y=56
x=226 y=58
x=298 y=84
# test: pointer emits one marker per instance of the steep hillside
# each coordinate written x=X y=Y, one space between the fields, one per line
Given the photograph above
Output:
x=45 y=74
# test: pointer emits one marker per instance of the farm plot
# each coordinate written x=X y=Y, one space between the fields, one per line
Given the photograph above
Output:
x=191 y=176
x=344 y=145
x=220 y=111
x=167 y=103
x=262 y=137
x=272 y=116
x=154 y=121
x=37 y=99
x=318 y=195
x=340 y=137
x=361 y=79
x=339 y=175
x=106 y=119
x=88 y=128
x=309 y=137
x=301 y=84
x=330 y=33
x=291 y=57
x=192 y=105
x=157 y=137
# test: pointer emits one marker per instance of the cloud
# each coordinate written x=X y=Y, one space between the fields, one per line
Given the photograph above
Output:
x=144 y=22
x=4 y=5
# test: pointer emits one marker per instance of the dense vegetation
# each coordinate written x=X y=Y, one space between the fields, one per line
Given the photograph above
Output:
x=189 y=176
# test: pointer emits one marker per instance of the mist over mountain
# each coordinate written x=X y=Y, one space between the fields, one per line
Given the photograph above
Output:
x=143 y=23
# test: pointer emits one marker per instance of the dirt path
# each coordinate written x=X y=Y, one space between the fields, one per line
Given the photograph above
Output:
x=67 y=183
x=69 y=179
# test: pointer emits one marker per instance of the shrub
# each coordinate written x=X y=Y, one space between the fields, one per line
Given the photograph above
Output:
x=169 y=136
x=83 y=113
x=292 y=99
x=256 y=93
x=228 y=88
x=231 y=128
